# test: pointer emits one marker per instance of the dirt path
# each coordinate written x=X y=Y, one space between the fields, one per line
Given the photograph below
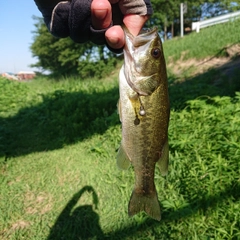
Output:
x=226 y=64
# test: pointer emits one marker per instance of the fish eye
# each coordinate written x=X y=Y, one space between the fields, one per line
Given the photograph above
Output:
x=156 y=52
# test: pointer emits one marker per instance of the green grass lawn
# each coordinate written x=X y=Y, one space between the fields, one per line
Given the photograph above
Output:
x=59 y=179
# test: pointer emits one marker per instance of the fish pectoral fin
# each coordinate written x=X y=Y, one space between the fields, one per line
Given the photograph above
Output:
x=164 y=159
x=119 y=110
x=123 y=161
x=148 y=204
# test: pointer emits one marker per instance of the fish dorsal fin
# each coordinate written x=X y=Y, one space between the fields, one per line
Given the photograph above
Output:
x=123 y=161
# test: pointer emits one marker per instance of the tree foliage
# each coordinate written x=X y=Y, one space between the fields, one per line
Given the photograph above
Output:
x=65 y=57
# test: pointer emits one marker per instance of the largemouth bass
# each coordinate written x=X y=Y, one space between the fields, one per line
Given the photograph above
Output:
x=144 y=113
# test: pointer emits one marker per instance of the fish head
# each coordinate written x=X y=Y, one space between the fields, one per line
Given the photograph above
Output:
x=144 y=66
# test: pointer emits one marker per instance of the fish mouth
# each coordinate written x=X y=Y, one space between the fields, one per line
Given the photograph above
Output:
x=133 y=75
x=145 y=35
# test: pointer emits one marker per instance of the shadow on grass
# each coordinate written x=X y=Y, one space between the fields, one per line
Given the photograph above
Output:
x=80 y=223
x=64 y=118
x=83 y=222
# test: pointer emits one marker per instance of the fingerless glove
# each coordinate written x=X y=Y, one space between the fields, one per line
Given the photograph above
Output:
x=71 y=18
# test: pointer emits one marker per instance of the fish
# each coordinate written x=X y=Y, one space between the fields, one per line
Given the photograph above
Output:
x=144 y=112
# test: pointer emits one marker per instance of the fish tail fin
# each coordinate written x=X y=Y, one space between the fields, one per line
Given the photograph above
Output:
x=148 y=204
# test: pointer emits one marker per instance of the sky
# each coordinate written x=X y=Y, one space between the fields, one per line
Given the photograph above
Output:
x=16 y=26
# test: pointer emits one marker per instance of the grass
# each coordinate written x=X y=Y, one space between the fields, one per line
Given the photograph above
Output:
x=210 y=41
x=58 y=176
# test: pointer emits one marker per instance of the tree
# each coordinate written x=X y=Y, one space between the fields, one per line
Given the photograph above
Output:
x=167 y=12
x=64 y=56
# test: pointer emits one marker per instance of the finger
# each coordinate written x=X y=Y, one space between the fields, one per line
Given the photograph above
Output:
x=115 y=37
x=101 y=14
x=134 y=23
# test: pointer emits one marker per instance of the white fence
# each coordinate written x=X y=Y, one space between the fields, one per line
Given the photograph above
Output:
x=216 y=20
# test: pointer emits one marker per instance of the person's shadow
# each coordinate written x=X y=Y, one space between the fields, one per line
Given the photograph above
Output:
x=80 y=223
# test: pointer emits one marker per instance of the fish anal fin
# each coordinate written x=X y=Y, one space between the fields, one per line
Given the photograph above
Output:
x=148 y=204
x=123 y=161
x=164 y=159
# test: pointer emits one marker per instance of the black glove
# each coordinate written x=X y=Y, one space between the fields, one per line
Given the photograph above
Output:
x=73 y=18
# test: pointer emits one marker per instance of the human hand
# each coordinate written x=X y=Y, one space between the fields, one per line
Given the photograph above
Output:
x=97 y=20
x=101 y=13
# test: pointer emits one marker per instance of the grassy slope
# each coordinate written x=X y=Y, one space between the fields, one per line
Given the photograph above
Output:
x=57 y=154
x=208 y=42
